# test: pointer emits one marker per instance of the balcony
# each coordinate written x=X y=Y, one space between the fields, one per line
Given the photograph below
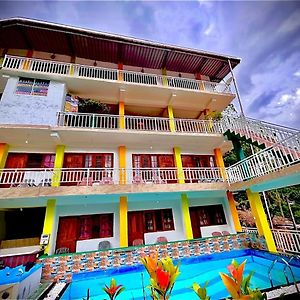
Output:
x=38 y=177
x=157 y=90
x=152 y=124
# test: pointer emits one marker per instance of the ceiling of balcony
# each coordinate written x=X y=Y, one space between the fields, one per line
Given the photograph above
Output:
x=19 y=33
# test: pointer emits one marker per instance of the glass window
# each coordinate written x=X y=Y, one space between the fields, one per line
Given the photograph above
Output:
x=30 y=86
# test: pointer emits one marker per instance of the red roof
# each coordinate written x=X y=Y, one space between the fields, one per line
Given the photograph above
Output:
x=20 y=33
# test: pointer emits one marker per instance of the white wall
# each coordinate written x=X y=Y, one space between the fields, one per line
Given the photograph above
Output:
x=29 y=109
x=150 y=202
x=89 y=209
x=207 y=230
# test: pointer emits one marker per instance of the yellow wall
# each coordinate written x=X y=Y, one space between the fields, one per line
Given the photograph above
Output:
x=122 y=164
x=186 y=217
x=261 y=221
x=178 y=164
x=3 y=154
x=49 y=221
x=123 y=222
x=234 y=213
x=58 y=164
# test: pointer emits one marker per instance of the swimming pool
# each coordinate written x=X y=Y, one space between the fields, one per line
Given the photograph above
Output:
x=196 y=269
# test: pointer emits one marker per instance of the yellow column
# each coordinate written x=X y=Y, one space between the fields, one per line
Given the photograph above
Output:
x=120 y=71
x=122 y=164
x=49 y=222
x=186 y=217
x=58 y=164
x=171 y=118
x=220 y=162
x=123 y=222
x=164 y=78
x=261 y=221
x=3 y=154
x=178 y=164
x=121 y=115
x=234 y=213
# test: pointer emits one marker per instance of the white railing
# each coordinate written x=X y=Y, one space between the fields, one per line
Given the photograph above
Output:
x=250 y=230
x=86 y=120
x=202 y=175
x=97 y=176
x=147 y=123
x=82 y=71
x=198 y=126
x=262 y=132
x=271 y=159
x=101 y=121
x=26 y=177
x=287 y=240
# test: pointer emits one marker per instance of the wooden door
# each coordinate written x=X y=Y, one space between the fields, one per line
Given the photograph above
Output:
x=187 y=161
x=67 y=233
x=135 y=226
x=195 y=222
x=165 y=161
x=74 y=177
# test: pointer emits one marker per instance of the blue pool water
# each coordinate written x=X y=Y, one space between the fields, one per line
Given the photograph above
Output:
x=197 y=269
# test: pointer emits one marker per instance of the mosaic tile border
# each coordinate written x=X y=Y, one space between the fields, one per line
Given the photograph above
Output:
x=61 y=267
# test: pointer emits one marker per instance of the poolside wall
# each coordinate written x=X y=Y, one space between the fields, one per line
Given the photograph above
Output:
x=61 y=267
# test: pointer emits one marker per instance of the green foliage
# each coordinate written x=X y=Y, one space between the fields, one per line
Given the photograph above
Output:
x=200 y=291
x=92 y=106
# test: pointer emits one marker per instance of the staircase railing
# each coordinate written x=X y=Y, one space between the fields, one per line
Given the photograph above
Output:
x=271 y=159
x=260 y=131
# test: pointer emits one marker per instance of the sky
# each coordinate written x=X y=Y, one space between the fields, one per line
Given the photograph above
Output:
x=264 y=34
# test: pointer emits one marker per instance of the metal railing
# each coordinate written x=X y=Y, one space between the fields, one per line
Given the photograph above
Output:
x=287 y=240
x=271 y=159
x=262 y=132
x=86 y=120
x=83 y=71
x=250 y=230
x=147 y=123
x=198 y=126
x=140 y=123
x=97 y=176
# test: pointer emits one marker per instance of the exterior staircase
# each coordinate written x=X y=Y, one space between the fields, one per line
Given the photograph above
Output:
x=259 y=133
x=281 y=147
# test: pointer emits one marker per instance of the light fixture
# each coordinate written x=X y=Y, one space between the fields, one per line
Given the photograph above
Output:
x=55 y=135
x=52 y=56
x=95 y=64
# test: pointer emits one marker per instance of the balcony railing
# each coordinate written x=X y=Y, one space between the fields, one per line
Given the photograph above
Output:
x=34 y=65
x=98 y=121
x=103 y=176
x=271 y=159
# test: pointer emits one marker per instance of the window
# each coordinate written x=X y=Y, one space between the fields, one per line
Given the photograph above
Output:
x=208 y=215
x=30 y=86
x=158 y=220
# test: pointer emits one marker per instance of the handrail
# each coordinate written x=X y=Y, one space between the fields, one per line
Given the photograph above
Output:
x=269 y=271
x=85 y=71
x=287 y=265
x=271 y=159
x=28 y=177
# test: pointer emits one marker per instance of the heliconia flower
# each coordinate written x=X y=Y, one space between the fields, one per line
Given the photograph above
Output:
x=113 y=290
x=163 y=278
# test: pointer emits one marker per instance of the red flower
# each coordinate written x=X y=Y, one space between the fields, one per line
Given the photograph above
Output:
x=163 y=278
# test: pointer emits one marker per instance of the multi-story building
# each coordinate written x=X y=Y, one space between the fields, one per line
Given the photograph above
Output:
x=142 y=162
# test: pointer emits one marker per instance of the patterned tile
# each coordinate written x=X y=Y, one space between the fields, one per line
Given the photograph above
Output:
x=61 y=268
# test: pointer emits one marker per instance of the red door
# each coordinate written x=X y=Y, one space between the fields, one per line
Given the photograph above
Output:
x=135 y=226
x=67 y=233
x=73 y=177
x=195 y=222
